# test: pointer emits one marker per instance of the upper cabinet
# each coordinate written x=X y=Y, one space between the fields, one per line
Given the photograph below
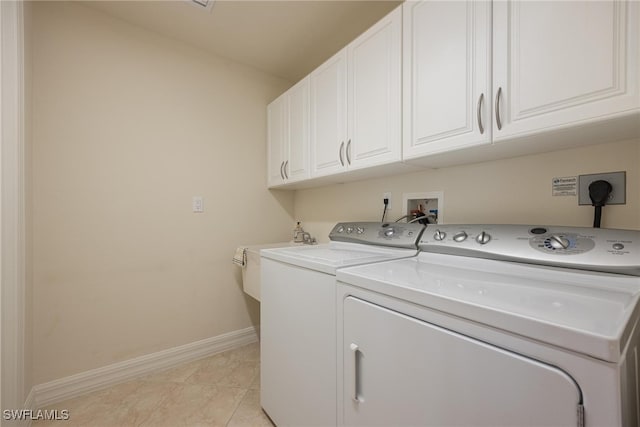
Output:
x=480 y=72
x=559 y=63
x=438 y=83
x=356 y=102
x=288 y=136
x=447 y=76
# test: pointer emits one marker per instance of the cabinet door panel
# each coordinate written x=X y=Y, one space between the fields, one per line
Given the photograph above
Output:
x=276 y=135
x=298 y=128
x=374 y=93
x=562 y=62
x=411 y=372
x=328 y=116
x=446 y=71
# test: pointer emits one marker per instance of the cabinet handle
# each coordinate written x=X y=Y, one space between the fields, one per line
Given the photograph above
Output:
x=340 y=153
x=349 y=152
x=281 y=172
x=498 y=121
x=286 y=165
x=356 y=369
x=480 y=101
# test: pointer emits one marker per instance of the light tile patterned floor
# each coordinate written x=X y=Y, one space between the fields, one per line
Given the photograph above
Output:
x=221 y=390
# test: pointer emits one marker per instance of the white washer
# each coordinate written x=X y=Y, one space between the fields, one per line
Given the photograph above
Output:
x=494 y=325
x=298 y=316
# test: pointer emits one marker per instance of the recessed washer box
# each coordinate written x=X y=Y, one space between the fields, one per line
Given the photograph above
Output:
x=618 y=181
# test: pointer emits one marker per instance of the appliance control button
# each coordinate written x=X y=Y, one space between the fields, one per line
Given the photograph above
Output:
x=460 y=237
x=618 y=246
x=439 y=235
x=538 y=230
x=340 y=229
x=483 y=238
x=389 y=232
x=558 y=242
x=410 y=233
x=349 y=230
x=359 y=230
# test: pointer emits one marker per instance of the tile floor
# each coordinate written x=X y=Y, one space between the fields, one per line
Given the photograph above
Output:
x=221 y=390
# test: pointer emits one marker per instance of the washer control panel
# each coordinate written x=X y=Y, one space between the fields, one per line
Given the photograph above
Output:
x=393 y=234
x=597 y=249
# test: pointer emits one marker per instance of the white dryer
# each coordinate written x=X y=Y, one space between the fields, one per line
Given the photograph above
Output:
x=494 y=325
x=298 y=316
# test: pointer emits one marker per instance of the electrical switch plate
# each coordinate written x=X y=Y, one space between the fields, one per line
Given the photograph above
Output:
x=618 y=181
x=387 y=195
x=198 y=204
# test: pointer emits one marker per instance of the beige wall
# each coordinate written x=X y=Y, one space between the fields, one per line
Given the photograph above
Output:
x=510 y=191
x=127 y=127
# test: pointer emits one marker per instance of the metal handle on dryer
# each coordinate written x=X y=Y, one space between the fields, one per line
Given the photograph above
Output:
x=356 y=370
x=281 y=172
x=348 y=152
x=286 y=165
x=340 y=153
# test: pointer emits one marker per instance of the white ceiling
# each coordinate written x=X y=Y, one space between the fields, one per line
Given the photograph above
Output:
x=285 y=38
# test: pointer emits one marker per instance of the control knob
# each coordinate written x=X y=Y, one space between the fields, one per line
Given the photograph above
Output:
x=389 y=232
x=349 y=230
x=439 y=235
x=359 y=230
x=558 y=242
x=340 y=229
x=460 y=237
x=483 y=238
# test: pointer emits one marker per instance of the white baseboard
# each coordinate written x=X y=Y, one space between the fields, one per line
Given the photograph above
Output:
x=86 y=382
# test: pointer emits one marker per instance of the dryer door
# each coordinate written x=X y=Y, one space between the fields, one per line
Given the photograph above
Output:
x=402 y=371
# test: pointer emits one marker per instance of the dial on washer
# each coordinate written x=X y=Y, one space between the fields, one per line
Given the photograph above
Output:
x=483 y=238
x=558 y=242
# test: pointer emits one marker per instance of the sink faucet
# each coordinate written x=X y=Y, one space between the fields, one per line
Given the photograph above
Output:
x=307 y=239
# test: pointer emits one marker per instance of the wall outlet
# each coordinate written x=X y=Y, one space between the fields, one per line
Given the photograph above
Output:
x=387 y=195
x=618 y=181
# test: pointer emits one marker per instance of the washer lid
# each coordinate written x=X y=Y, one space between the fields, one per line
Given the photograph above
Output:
x=328 y=257
x=587 y=312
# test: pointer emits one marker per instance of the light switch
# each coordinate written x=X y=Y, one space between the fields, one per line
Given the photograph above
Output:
x=198 y=204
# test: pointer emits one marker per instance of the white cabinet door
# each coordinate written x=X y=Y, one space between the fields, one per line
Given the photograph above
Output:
x=297 y=161
x=559 y=63
x=329 y=116
x=401 y=371
x=374 y=87
x=356 y=102
x=276 y=144
x=288 y=136
x=447 y=75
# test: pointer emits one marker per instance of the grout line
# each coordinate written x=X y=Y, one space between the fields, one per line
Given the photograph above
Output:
x=244 y=396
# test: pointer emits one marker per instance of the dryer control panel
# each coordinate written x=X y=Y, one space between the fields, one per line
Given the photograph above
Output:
x=596 y=249
x=393 y=234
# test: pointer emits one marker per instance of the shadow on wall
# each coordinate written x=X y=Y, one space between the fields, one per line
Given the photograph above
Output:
x=253 y=306
x=285 y=199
